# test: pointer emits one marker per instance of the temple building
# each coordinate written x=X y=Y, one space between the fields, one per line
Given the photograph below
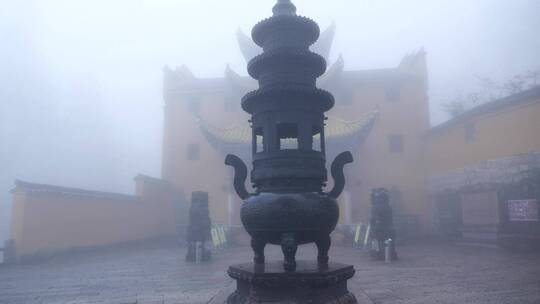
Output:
x=476 y=176
x=380 y=115
x=484 y=171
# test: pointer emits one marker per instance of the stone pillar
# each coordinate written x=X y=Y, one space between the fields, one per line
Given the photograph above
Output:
x=232 y=208
x=9 y=252
x=347 y=206
x=198 y=232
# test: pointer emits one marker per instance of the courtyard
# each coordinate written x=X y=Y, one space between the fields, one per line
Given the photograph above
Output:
x=427 y=272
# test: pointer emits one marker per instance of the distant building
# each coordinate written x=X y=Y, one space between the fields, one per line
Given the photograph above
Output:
x=472 y=159
x=380 y=115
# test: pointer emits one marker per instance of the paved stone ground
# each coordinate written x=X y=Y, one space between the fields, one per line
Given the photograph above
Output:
x=427 y=273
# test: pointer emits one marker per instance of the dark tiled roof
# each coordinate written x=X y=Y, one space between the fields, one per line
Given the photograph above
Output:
x=235 y=82
x=50 y=189
x=206 y=85
x=390 y=75
x=150 y=178
x=530 y=95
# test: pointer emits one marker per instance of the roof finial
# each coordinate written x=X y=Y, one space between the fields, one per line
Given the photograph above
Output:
x=284 y=7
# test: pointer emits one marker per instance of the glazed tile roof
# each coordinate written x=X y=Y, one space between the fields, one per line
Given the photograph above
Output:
x=336 y=128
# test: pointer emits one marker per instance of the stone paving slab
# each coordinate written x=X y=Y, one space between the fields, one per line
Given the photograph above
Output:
x=426 y=273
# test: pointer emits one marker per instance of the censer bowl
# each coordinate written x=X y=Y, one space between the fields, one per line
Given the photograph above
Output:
x=309 y=216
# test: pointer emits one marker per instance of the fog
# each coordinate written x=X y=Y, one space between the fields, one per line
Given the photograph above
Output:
x=80 y=81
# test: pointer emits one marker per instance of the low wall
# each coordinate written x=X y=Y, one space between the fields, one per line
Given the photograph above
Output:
x=49 y=219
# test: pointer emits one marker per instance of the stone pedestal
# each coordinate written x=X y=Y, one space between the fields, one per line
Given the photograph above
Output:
x=198 y=230
x=310 y=283
x=9 y=252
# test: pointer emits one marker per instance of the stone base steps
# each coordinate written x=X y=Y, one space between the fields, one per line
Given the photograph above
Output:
x=481 y=235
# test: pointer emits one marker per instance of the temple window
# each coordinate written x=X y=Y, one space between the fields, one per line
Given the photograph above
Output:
x=392 y=92
x=396 y=143
x=259 y=140
x=287 y=134
x=470 y=133
x=316 y=144
x=193 y=152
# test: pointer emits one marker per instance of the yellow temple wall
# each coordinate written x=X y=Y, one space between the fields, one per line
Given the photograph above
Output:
x=470 y=157
x=375 y=166
x=44 y=223
x=507 y=132
x=208 y=173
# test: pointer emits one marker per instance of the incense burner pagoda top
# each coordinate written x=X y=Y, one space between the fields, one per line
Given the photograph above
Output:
x=289 y=173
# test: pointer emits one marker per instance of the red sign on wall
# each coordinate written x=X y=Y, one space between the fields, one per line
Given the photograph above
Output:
x=523 y=210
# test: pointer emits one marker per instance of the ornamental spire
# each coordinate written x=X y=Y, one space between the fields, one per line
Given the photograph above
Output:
x=284 y=7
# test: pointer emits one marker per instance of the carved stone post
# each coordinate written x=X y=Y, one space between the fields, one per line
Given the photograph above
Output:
x=198 y=232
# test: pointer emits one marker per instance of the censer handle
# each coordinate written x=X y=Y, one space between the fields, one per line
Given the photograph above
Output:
x=240 y=175
x=337 y=173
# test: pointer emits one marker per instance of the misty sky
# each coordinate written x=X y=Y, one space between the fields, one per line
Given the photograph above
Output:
x=80 y=80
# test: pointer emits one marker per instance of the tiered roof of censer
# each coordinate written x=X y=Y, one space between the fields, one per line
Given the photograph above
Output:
x=287 y=69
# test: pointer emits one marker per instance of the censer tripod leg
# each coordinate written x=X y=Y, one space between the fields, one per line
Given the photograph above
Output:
x=323 y=246
x=289 y=247
x=258 y=249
